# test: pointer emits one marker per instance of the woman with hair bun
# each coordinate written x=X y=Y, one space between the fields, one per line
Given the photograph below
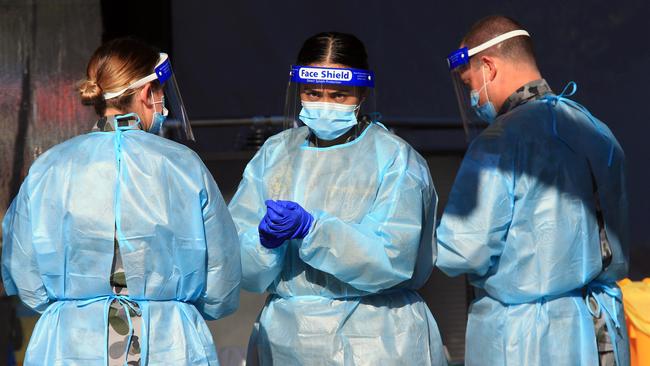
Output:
x=119 y=237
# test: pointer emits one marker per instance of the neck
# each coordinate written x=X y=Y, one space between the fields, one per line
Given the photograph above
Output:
x=514 y=81
x=346 y=137
x=112 y=112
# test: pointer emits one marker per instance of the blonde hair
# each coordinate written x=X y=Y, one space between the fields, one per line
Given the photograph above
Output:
x=114 y=66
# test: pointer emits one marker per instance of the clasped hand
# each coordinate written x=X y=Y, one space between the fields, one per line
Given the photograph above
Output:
x=284 y=220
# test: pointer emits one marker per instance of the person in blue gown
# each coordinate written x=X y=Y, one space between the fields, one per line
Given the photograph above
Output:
x=120 y=238
x=537 y=216
x=335 y=219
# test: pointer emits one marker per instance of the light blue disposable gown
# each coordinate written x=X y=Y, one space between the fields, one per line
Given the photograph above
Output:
x=178 y=243
x=345 y=294
x=521 y=220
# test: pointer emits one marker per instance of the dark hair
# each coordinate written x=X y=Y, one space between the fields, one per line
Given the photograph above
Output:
x=334 y=47
x=114 y=66
x=517 y=48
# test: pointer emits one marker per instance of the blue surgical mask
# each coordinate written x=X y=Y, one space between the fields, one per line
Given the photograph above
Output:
x=486 y=112
x=328 y=120
x=158 y=118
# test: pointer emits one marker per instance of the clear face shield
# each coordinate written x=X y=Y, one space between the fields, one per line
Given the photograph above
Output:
x=332 y=102
x=170 y=118
x=476 y=109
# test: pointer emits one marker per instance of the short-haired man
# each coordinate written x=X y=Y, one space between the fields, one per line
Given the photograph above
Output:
x=537 y=214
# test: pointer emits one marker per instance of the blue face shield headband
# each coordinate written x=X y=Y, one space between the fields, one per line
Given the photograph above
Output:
x=472 y=112
x=332 y=76
x=329 y=117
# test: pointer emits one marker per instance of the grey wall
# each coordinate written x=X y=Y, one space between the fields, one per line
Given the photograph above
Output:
x=44 y=48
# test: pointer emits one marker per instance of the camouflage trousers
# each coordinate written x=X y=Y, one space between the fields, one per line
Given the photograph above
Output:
x=123 y=340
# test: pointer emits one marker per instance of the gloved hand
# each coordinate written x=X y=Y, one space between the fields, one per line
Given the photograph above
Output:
x=284 y=220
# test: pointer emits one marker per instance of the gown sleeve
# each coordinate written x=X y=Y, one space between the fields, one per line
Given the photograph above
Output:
x=475 y=223
x=380 y=251
x=260 y=265
x=221 y=294
x=20 y=272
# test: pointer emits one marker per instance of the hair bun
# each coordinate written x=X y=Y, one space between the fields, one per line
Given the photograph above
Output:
x=90 y=92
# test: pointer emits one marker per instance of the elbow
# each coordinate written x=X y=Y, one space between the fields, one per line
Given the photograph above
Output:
x=212 y=309
x=257 y=283
x=231 y=303
x=9 y=286
x=35 y=303
x=454 y=262
x=224 y=310
x=261 y=267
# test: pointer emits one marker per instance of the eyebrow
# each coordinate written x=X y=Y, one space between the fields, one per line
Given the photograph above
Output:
x=331 y=91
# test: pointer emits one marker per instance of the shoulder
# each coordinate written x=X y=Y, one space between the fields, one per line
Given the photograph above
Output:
x=388 y=141
x=528 y=119
x=396 y=152
x=95 y=147
x=530 y=122
x=289 y=137
x=76 y=146
x=283 y=143
x=173 y=157
x=168 y=147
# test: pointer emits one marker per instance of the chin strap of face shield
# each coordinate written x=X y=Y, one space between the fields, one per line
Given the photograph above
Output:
x=569 y=90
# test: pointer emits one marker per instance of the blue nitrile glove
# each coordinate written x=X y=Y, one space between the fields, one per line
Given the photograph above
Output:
x=284 y=220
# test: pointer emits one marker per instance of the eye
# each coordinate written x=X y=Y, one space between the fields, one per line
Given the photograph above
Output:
x=339 y=97
x=313 y=95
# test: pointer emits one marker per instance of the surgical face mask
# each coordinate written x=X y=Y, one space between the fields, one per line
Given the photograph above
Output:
x=328 y=120
x=158 y=118
x=486 y=112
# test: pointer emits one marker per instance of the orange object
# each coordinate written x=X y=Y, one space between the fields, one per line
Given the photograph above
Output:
x=636 y=301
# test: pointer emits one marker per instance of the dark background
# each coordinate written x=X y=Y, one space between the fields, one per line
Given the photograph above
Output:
x=231 y=60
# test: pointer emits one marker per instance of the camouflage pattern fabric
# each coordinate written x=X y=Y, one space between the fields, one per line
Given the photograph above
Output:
x=605 y=347
x=533 y=90
x=107 y=123
x=118 y=323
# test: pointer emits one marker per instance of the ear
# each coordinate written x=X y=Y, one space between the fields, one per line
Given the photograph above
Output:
x=489 y=63
x=144 y=96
